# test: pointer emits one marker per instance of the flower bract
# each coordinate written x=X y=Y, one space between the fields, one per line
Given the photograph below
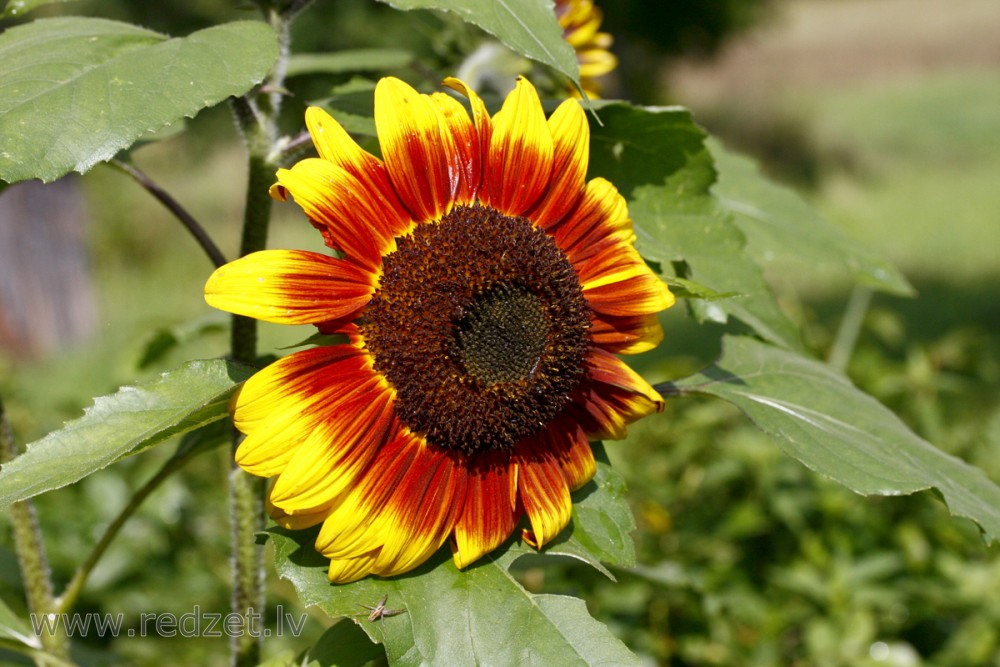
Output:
x=483 y=288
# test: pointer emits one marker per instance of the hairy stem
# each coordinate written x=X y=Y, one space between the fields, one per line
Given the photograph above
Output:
x=31 y=558
x=246 y=493
x=179 y=212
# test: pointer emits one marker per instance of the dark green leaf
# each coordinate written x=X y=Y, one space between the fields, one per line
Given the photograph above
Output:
x=527 y=26
x=344 y=644
x=18 y=8
x=129 y=421
x=778 y=223
x=78 y=90
x=359 y=60
x=353 y=105
x=817 y=416
x=658 y=159
x=477 y=616
x=688 y=289
x=164 y=340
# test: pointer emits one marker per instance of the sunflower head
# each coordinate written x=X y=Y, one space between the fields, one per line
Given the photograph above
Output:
x=485 y=288
x=581 y=22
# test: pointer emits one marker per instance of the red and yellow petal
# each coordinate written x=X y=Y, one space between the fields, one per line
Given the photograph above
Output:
x=629 y=334
x=340 y=447
x=519 y=163
x=610 y=397
x=354 y=216
x=489 y=511
x=600 y=214
x=571 y=144
x=426 y=165
x=290 y=287
x=480 y=116
x=400 y=512
x=570 y=446
x=282 y=405
x=543 y=491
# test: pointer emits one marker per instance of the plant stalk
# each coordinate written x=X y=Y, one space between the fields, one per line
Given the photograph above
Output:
x=31 y=557
x=850 y=328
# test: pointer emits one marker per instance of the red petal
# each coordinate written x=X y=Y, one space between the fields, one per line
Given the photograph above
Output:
x=290 y=287
x=543 y=492
x=490 y=511
x=519 y=163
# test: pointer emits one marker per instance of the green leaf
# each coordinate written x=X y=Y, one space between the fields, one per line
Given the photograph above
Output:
x=475 y=616
x=78 y=90
x=817 y=416
x=688 y=289
x=357 y=60
x=18 y=8
x=481 y=615
x=16 y=630
x=527 y=26
x=353 y=105
x=778 y=223
x=160 y=342
x=658 y=159
x=124 y=423
x=344 y=644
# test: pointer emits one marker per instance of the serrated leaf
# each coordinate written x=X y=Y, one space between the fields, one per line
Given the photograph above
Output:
x=481 y=615
x=778 y=223
x=527 y=26
x=124 y=423
x=658 y=159
x=18 y=8
x=78 y=90
x=356 y=60
x=817 y=416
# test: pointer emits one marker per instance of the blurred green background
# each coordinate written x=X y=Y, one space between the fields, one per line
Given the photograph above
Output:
x=884 y=113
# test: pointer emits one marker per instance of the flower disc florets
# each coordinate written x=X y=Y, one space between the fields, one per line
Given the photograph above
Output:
x=480 y=325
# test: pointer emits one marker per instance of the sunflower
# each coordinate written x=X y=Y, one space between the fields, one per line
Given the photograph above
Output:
x=581 y=21
x=483 y=288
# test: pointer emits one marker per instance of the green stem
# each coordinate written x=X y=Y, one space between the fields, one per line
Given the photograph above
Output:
x=30 y=550
x=246 y=493
x=72 y=593
x=850 y=328
x=178 y=211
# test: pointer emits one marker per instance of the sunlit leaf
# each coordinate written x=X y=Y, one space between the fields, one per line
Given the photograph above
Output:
x=527 y=26
x=817 y=416
x=78 y=90
x=481 y=615
x=124 y=423
x=779 y=224
x=658 y=159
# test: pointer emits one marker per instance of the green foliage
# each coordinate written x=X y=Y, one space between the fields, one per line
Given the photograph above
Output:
x=78 y=90
x=818 y=417
x=453 y=617
x=743 y=557
x=527 y=26
x=133 y=419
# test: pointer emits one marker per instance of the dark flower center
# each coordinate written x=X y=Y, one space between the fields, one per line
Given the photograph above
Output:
x=480 y=325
